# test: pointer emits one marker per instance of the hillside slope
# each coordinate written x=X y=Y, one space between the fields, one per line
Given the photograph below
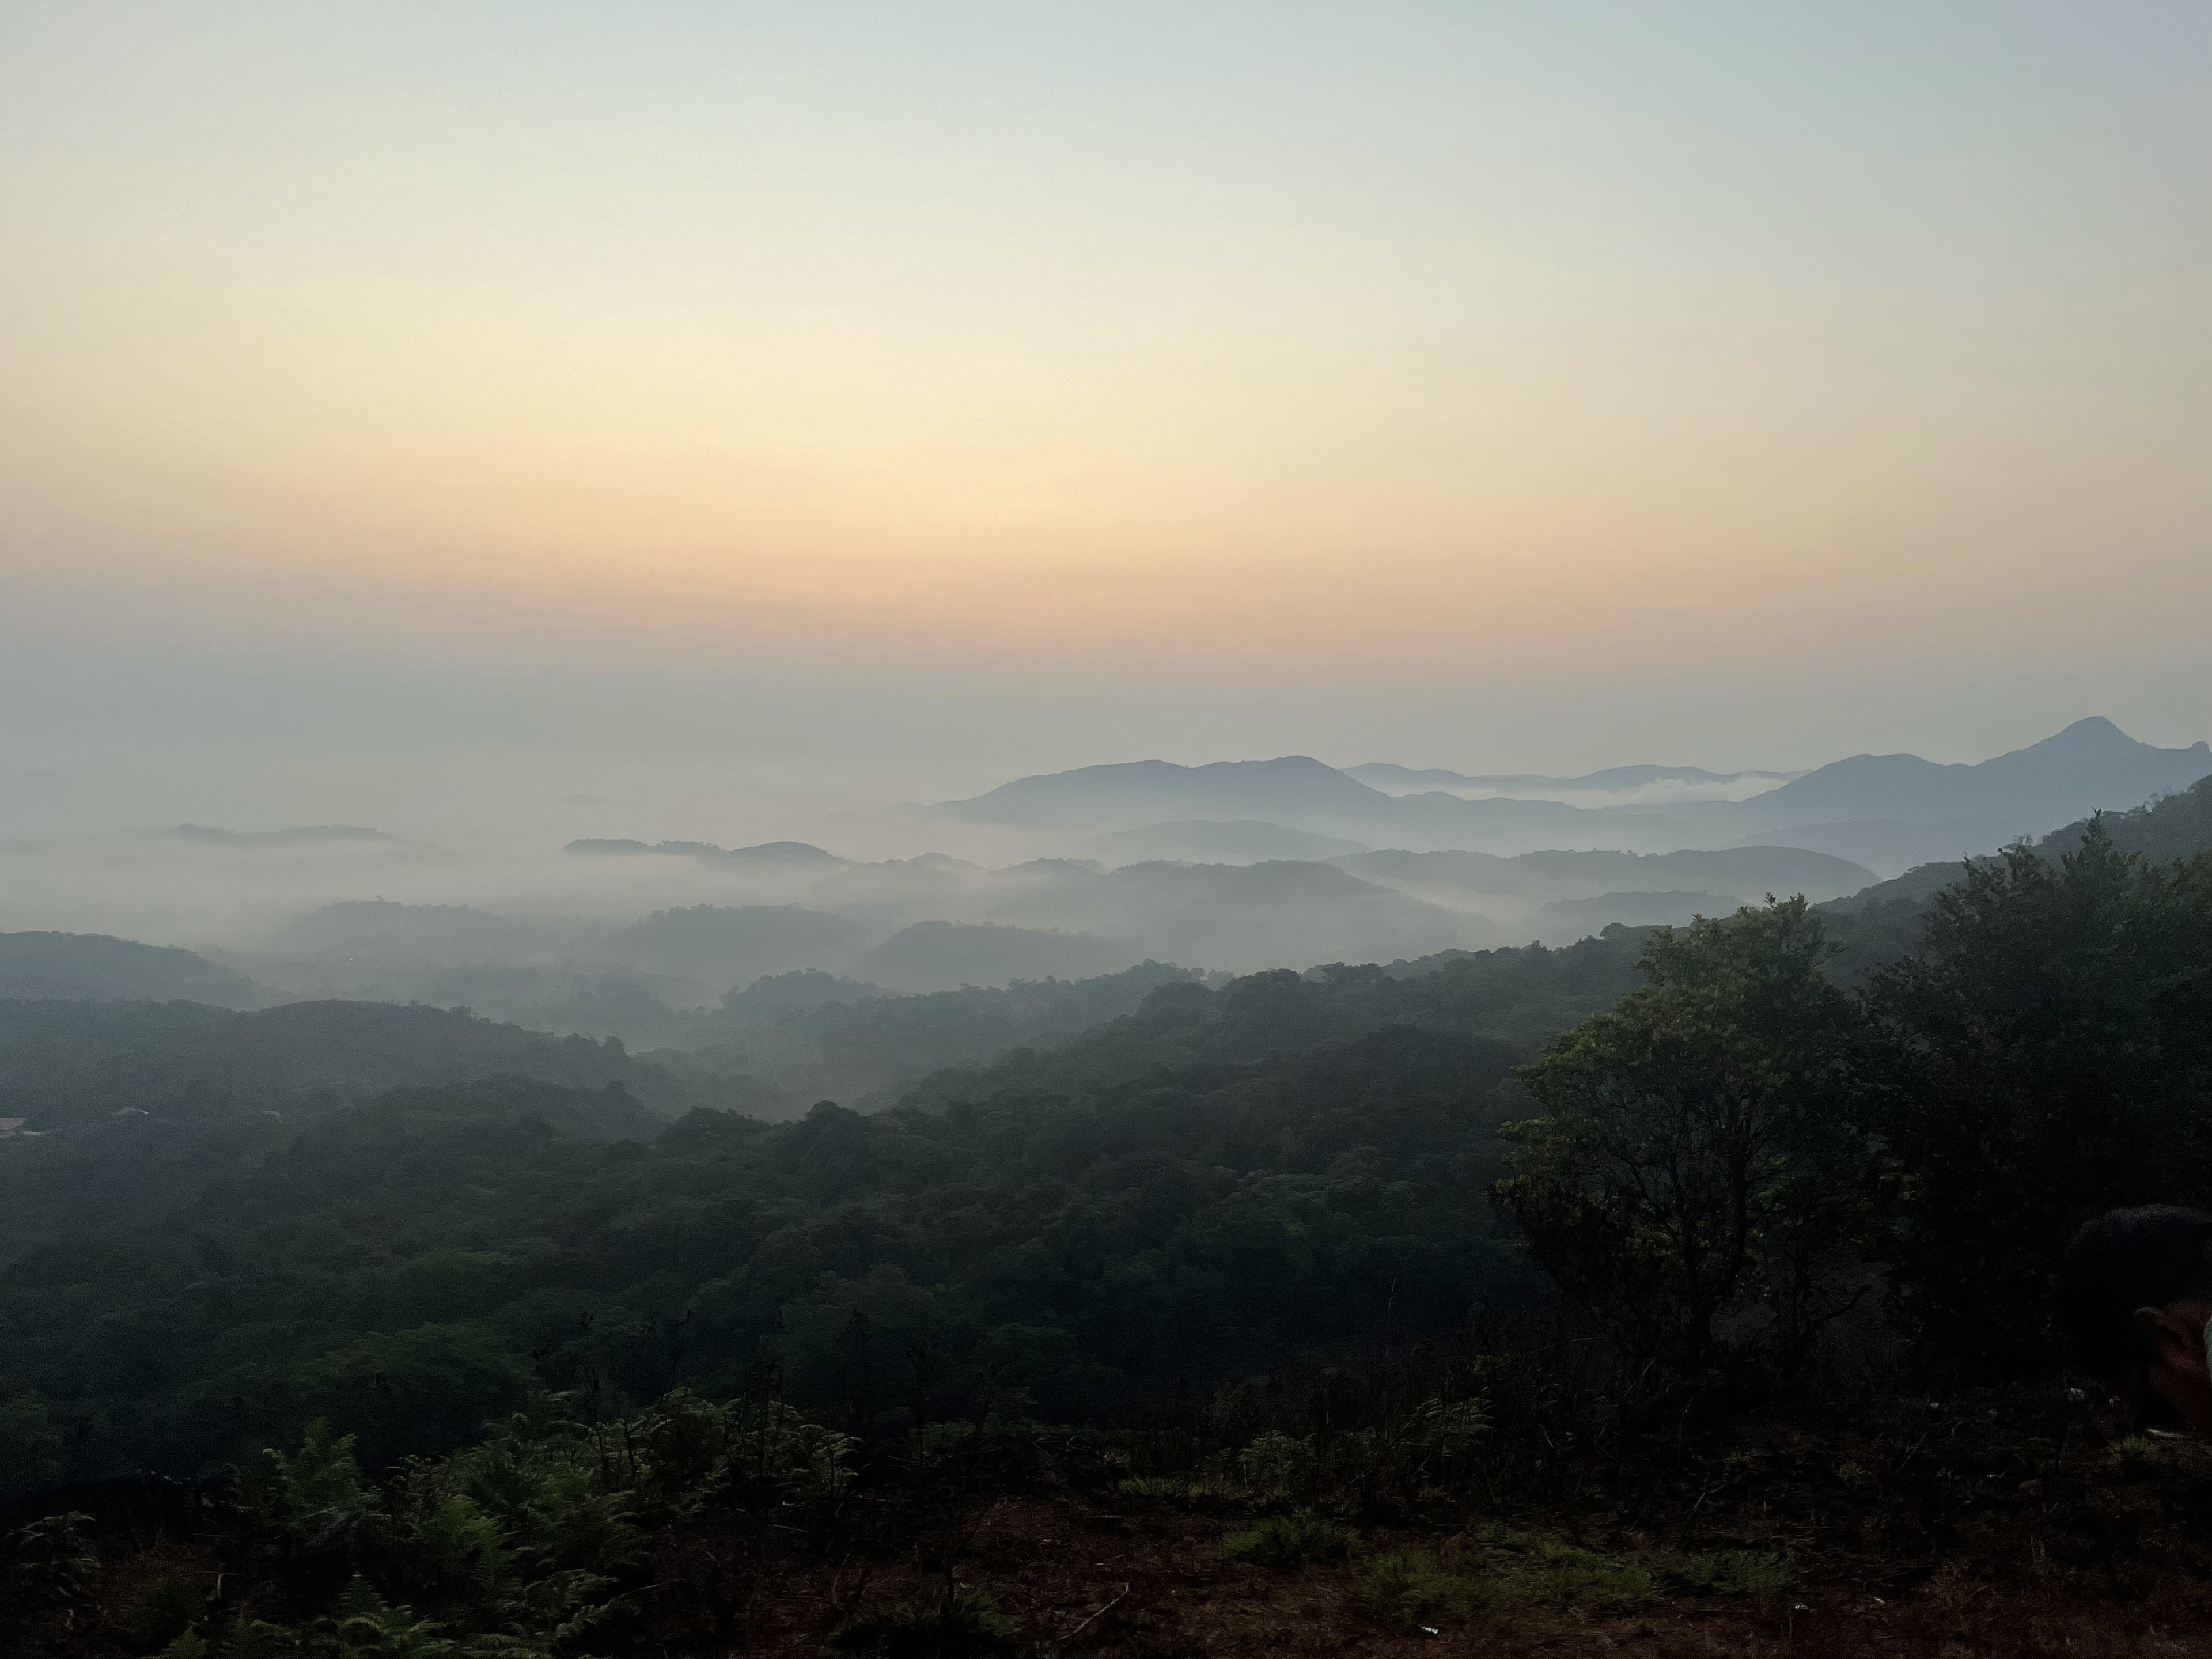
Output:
x=96 y=967
x=2175 y=826
x=1880 y=923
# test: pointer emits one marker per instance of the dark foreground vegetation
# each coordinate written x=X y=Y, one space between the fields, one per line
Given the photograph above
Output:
x=481 y=1369
x=1496 y=1496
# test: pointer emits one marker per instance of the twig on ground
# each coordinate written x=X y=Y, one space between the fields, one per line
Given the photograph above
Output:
x=1101 y=1613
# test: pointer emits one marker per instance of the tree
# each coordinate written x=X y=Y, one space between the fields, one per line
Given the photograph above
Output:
x=32 y=1449
x=2053 y=1059
x=432 y=1387
x=1697 y=1181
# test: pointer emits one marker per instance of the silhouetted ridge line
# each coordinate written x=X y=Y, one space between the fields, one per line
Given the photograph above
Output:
x=788 y=852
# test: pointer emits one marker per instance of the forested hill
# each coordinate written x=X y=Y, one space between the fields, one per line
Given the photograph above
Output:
x=95 y=965
x=1881 y=923
x=775 y=1047
x=62 y=1062
x=132 y=1108
x=1221 y=1180
x=2175 y=826
x=1515 y=1000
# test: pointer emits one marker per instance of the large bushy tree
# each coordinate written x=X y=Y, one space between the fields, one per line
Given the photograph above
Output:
x=1719 y=1149
x=1697 y=1178
x=2051 y=1057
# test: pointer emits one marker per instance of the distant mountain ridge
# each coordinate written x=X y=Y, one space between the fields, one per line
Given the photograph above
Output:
x=1890 y=810
x=1296 y=792
x=786 y=852
x=1612 y=780
x=2092 y=764
x=1234 y=865
x=1231 y=790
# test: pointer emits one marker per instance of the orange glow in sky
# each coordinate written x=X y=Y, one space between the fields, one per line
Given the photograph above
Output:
x=1267 y=336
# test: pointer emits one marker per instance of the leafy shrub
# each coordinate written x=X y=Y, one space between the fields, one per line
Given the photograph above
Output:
x=366 y=1623
x=46 y=1565
x=1539 y=1568
x=1275 y=1466
x=937 y=1443
x=2132 y=1453
x=1450 y=1429
x=165 y=1612
x=255 y=1638
x=938 y=1626
x=1417 y=1588
x=1287 y=1541
x=1497 y=1569
x=305 y=1491
x=446 y=1538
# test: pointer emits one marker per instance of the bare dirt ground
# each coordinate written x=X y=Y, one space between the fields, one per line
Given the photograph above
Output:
x=2016 y=1525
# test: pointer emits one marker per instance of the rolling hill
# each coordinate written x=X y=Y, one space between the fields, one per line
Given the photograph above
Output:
x=98 y=967
x=60 y=1061
x=943 y=956
x=1299 y=793
x=1288 y=790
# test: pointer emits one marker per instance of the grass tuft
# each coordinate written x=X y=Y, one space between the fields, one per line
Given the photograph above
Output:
x=167 y=1612
x=1287 y=1541
x=1732 y=1573
x=936 y=1626
x=1496 y=1569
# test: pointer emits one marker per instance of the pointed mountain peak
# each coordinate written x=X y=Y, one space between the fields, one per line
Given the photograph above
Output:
x=2086 y=739
x=2096 y=729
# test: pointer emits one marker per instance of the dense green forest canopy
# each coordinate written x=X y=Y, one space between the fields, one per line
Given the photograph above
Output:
x=1229 y=1177
x=1221 y=1179
x=133 y=1107
x=68 y=1062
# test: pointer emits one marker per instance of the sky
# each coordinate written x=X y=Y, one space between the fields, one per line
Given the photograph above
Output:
x=888 y=399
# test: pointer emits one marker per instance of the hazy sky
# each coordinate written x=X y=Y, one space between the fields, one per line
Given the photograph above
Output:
x=929 y=392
